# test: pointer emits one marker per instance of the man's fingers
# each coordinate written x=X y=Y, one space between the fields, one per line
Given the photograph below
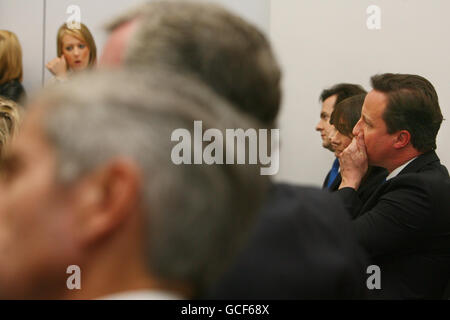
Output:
x=360 y=141
x=353 y=146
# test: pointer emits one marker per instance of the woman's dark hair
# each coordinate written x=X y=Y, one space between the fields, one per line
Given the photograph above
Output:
x=347 y=113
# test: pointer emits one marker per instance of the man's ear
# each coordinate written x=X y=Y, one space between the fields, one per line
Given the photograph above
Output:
x=106 y=200
x=402 y=139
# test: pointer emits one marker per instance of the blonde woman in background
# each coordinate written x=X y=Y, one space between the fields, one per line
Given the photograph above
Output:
x=11 y=72
x=76 y=51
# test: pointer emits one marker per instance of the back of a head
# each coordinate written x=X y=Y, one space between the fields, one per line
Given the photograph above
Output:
x=412 y=105
x=9 y=122
x=342 y=91
x=198 y=213
x=347 y=113
x=10 y=57
x=223 y=50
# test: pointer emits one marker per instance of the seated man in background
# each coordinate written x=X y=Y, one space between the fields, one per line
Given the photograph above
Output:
x=329 y=99
x=89 y=182
x=405 y=225
x=302 y=246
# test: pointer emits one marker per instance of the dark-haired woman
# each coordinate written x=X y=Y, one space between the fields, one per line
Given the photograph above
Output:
x=344 y=117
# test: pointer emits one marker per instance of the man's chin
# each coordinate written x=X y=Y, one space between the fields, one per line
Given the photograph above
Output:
x=328 y=146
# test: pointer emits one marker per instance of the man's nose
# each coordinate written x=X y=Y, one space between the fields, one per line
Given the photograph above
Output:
x=319 y=126
x=356 y=128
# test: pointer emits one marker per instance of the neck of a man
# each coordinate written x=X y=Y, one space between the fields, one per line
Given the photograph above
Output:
x=101 y=279
x=400 y=158
x=117 y=265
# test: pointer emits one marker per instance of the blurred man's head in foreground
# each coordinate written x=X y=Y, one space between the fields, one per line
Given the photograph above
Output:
x=89 y=181
x=207 y=41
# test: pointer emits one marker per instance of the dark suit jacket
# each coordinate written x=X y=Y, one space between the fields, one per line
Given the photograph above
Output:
x=405 y=228
x=373 y=179
x=301 y=248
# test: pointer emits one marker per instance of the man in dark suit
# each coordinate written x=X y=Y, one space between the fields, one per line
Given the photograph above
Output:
x=405 y=225
x=302 y=246
x=330 y=98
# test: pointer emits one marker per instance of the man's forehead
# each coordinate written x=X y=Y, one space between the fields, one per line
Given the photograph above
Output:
x=114 y=49
x=328 y=103
x=331 y=100
x=374 y=103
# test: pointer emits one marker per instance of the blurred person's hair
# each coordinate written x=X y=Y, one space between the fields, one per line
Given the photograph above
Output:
x=223 y=50
x=347 y=113
x=412 y=105
x=342 y=91
x=82 y=34
x=10 y=57
x=10 y=115
x=197 y=214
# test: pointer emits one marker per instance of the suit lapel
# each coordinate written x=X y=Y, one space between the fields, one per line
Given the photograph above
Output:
x=325 y=183
x=336 y=183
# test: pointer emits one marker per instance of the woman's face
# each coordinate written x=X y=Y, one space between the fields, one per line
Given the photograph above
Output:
x=76 y=52
x=339 y=141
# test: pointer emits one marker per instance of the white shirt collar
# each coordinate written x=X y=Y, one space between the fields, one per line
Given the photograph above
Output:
x=397 y=170
x=145 y=294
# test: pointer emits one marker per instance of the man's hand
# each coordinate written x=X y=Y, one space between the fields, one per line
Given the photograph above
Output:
x=58 y=67
x=353 y=163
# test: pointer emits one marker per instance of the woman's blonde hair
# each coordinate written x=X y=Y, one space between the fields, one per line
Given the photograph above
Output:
x=82 y=34
x=10 y=57
x=10 y=116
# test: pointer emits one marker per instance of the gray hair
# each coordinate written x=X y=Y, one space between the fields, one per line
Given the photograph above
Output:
x=198 y=214
x=223 y=50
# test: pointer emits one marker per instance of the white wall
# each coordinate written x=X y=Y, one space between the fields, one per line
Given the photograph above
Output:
x=318 y=42
x=323 y=42
x=29 y=18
